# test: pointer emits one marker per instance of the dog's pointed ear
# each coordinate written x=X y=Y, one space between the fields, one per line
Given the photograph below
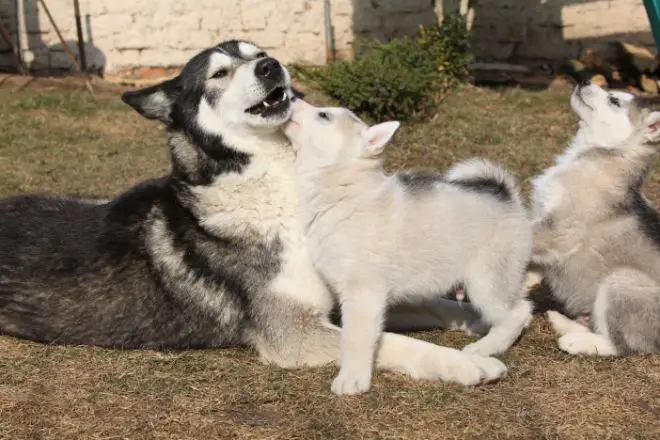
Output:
x=377 y=136
x=652 y=123
x=155 y=102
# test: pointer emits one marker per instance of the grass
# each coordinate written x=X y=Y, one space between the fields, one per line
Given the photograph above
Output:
x=67 y=142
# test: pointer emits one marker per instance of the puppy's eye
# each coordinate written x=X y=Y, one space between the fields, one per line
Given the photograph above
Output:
x=260 y=55
x=220 y=74
x=615 y=101
x=324 y=115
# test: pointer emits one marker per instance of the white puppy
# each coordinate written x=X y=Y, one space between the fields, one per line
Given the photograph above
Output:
x=379 y=239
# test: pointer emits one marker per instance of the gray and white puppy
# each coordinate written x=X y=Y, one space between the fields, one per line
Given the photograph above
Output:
x=595 y=235
x=379 y=239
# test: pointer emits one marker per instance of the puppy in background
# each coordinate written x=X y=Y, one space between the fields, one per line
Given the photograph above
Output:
x=379 y=239
x=595 y=235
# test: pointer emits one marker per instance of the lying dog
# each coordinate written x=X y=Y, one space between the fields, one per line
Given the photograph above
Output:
x=595 y=235
x=380 y=239
x=181 y=261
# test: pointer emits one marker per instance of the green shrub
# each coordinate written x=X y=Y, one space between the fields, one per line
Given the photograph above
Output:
x=403 y=79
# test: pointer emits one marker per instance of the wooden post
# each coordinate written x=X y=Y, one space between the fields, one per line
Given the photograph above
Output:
x=81 y=41
x=7 y=37
x=66 y=47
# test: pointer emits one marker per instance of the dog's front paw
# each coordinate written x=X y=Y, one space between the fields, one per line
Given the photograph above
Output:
x=351 y=383
x=483 y=348
x=459 y=367
x=492 y=369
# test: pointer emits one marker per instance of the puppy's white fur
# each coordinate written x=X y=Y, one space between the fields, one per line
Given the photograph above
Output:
x=380 y=239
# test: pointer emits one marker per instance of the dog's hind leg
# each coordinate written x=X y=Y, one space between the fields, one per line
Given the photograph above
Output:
x=500 y=297
x=563 y=325
x=505 y=330
x=625 y=318
x=423 y=360
x=318 y=342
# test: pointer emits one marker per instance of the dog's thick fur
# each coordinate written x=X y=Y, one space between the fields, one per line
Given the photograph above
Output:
x=174 y=262
x=211 y=255
x=595 y=235
x=379 y=239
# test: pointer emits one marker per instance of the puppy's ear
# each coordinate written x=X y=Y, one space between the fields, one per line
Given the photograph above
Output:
x=376 y=137
x=155 y=102
x=652 y=126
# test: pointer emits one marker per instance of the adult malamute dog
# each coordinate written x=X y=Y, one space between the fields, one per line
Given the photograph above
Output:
x=595 y=235
x=211 y=255
x=379 y=239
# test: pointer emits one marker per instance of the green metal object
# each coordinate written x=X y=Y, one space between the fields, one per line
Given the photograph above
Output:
x=653 y=12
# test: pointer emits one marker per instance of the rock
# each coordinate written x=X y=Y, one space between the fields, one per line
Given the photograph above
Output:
x=648 y=84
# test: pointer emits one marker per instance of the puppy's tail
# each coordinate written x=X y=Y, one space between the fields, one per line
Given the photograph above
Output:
x=487 y=177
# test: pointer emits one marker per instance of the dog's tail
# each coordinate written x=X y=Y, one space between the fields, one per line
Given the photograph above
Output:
x=485 y=176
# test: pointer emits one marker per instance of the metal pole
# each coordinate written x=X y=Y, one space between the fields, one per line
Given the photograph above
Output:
x=330 y=53
x=653 y=12
x=81 y=42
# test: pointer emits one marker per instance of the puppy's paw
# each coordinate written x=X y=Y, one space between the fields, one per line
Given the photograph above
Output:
x=351 y=383
x=591 y=344
x=563 y=325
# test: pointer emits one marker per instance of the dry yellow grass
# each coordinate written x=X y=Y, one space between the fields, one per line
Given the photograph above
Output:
x=68 y=142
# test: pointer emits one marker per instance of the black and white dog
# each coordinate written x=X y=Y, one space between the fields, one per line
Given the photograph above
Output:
x=209 y=256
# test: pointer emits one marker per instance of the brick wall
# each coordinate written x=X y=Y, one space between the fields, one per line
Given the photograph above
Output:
x=122 y=33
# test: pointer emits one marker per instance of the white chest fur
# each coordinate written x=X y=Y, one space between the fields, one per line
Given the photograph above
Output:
x=264 y=200
x=548 y=191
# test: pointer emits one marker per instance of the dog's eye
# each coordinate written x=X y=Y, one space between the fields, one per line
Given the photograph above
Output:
x=324 y=116
x=615 y=101
x=260 y=55
x=220 y=74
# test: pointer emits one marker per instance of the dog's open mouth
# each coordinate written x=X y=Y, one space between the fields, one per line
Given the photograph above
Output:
x=274 y=102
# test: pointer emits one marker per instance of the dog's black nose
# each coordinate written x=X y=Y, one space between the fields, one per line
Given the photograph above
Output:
x=268 y=68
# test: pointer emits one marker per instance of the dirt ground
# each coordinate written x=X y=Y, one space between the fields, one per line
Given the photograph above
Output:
x=63 y=140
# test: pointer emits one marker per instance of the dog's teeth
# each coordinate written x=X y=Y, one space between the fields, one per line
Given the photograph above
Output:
x=265 y=104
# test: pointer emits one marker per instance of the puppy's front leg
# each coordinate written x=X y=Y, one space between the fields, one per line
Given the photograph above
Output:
x=362 y=321
x=543 y=252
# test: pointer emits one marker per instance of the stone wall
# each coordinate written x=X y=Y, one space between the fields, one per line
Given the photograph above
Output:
x=122 y=33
